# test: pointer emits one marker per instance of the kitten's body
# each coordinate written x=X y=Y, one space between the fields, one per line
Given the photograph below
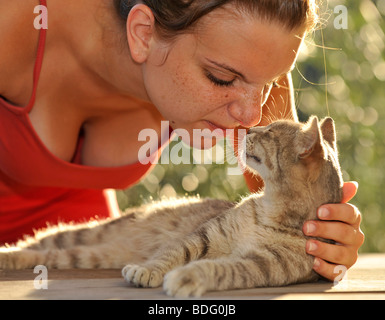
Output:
x=212 y=244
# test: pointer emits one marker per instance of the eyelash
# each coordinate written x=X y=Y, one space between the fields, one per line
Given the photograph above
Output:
x=223 y=83
x=219 y=82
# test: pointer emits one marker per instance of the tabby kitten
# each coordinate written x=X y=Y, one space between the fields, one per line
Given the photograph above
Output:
x=194 y=245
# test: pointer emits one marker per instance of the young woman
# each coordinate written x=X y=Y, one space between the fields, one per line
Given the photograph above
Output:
x=75 y=97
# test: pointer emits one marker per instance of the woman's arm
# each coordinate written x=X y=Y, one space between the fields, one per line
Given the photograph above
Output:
x=339 y=222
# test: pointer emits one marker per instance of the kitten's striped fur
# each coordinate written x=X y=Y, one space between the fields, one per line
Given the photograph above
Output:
x=194 y=245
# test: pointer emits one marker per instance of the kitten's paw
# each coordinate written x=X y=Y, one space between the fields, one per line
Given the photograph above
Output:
x=142 y=276
x=184 y=282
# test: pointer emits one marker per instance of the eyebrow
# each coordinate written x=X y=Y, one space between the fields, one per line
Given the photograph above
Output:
x=228 y=68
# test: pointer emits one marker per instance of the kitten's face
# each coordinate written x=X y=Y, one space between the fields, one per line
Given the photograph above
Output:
x=286 y=150
x=269 y=149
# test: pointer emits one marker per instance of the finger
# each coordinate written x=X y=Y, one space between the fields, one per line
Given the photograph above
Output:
x=344 y=212
x=338 y=231
x=337 y=254
x=349 y=191
x=328 y=270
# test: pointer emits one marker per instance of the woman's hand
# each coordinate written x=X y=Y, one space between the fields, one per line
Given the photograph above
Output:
x=341 y=223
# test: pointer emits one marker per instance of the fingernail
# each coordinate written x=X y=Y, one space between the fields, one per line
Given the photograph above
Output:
x=323 y=213
x=316 y=263
x=310 y=228
x=311 y=246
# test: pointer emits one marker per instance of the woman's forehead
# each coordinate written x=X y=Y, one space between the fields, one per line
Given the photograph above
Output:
x=248 y=45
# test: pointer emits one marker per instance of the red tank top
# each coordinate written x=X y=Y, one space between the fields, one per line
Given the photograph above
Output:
x=36 y=187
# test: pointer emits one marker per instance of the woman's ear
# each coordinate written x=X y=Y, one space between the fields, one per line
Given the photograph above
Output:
x=140 y=29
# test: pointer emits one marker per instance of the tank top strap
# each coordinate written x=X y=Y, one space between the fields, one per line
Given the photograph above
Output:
x=38 y=63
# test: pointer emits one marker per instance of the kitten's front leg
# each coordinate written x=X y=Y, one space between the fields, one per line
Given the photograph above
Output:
x=198 y=277
x=206 y=242
x=151 y=273
x=187 y=281
x=201 y=276
x=145 y=276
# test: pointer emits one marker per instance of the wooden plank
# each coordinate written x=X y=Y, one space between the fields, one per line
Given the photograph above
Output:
x=366 y=280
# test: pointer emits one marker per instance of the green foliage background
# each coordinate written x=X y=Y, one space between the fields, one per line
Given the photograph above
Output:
x=351 y=90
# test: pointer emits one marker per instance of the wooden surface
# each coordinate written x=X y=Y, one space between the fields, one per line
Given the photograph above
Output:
x=366 y=280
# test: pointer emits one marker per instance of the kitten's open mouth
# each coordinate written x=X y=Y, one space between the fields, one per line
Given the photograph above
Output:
x=258 y=160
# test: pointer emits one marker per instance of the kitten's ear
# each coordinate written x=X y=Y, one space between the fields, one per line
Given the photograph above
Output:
x=311 y=143
x=329 y=132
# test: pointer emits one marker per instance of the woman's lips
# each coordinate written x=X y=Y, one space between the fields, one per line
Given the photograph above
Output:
x=215 y=126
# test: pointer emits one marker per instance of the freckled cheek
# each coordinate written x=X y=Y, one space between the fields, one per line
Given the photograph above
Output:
x=196 y=95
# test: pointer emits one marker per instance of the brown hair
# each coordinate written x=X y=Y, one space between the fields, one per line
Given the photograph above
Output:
x=177 y=16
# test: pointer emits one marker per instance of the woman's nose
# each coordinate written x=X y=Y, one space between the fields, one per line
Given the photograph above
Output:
x=247 y=110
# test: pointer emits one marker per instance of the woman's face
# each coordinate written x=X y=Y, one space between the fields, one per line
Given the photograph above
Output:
x=221 y=75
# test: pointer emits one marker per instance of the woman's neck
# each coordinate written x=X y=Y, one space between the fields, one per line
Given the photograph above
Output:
x=97 y=37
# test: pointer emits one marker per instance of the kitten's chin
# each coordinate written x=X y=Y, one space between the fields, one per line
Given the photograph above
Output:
x=250 y=166
x=252 y=170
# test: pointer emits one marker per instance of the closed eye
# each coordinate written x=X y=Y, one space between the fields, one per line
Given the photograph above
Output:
x=219 y=82
x=257 y=159
x=269 y=129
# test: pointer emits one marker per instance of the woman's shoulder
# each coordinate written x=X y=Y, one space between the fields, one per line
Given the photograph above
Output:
x=19 y=40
